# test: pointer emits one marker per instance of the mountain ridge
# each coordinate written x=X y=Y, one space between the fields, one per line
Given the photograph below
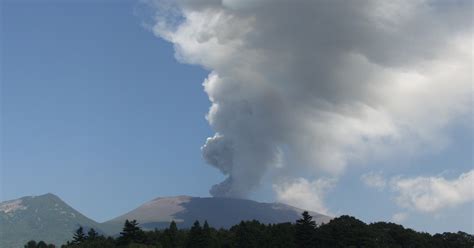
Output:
x=47 y=217
x=218 y=211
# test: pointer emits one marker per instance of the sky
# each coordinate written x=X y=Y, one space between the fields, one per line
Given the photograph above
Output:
x=332 y=108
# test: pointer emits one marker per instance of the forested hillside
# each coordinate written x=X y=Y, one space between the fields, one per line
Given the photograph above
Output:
x=344 y=231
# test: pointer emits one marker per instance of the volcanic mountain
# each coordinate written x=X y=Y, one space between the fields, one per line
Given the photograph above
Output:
x=219 y=212
x=48 y=218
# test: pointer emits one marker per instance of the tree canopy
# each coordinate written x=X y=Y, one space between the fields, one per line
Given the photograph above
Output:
x=343 y=231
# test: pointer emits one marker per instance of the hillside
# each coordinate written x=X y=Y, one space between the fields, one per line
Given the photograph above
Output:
x=44 y=217
x=50 y=219
x=219 y=212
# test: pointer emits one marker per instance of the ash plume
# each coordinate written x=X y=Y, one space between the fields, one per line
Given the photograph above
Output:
x=314 y=86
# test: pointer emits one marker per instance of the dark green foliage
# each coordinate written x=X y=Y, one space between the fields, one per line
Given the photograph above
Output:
x=196 y=237
x=79 y=236
x=41 y=244
x=31 y=244
x=344 y=231
x=282 y=235
x=94 y=241
x=207 y=235
x=250 y=234
x=92 y=234
x=393 y=235
x=459 y=239
x=169 y=238
x=131 y=233
x=305 y=228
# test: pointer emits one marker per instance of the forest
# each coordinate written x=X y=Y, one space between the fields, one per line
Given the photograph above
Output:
x=343 y=231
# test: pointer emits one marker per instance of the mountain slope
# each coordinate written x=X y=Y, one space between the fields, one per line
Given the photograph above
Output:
x=44 y=217
x=48 y=218
x=219 y=212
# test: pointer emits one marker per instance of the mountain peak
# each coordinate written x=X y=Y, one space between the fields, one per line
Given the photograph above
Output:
x=44 y=217
x=50 y=196
x=47 y=196
x=218 y=211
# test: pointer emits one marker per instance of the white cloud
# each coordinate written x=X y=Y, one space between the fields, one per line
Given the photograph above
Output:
x=374 y=180
x=399 y=217
x=432 y=194
x=329 y=83
x=305 y=194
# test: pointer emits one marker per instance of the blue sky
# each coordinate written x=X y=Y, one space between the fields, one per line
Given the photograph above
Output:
x=96 y=109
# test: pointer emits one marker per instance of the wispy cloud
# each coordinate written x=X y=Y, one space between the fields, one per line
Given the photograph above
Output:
x=305 y=194
x=374 y=180
x=400 y=217
x=432 y=194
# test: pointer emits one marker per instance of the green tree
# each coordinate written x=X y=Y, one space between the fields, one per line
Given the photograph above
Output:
x=347 y=231
x=305 y=228
x=459 y=239
x=31 y=244
x=282 y=235
x=341 y=232
x=79 y=236
x=170 y=236
x=131 y=233
x=250 y=234
x=195 y=236
x=42 y=244
x=206 y=235
x=92 y=234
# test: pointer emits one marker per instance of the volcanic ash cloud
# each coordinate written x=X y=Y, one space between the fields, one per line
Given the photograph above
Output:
x=310 y=87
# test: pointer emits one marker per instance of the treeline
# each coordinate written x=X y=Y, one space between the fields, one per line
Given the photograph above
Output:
x=344 y=231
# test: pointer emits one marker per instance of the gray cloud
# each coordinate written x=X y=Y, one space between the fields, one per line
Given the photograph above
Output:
x=325 y=83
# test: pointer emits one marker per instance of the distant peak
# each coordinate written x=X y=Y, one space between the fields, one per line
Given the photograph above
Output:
x=48 y=197
x=43 y=196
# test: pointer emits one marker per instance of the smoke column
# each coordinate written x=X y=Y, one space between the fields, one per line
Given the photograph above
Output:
x=311 y=87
